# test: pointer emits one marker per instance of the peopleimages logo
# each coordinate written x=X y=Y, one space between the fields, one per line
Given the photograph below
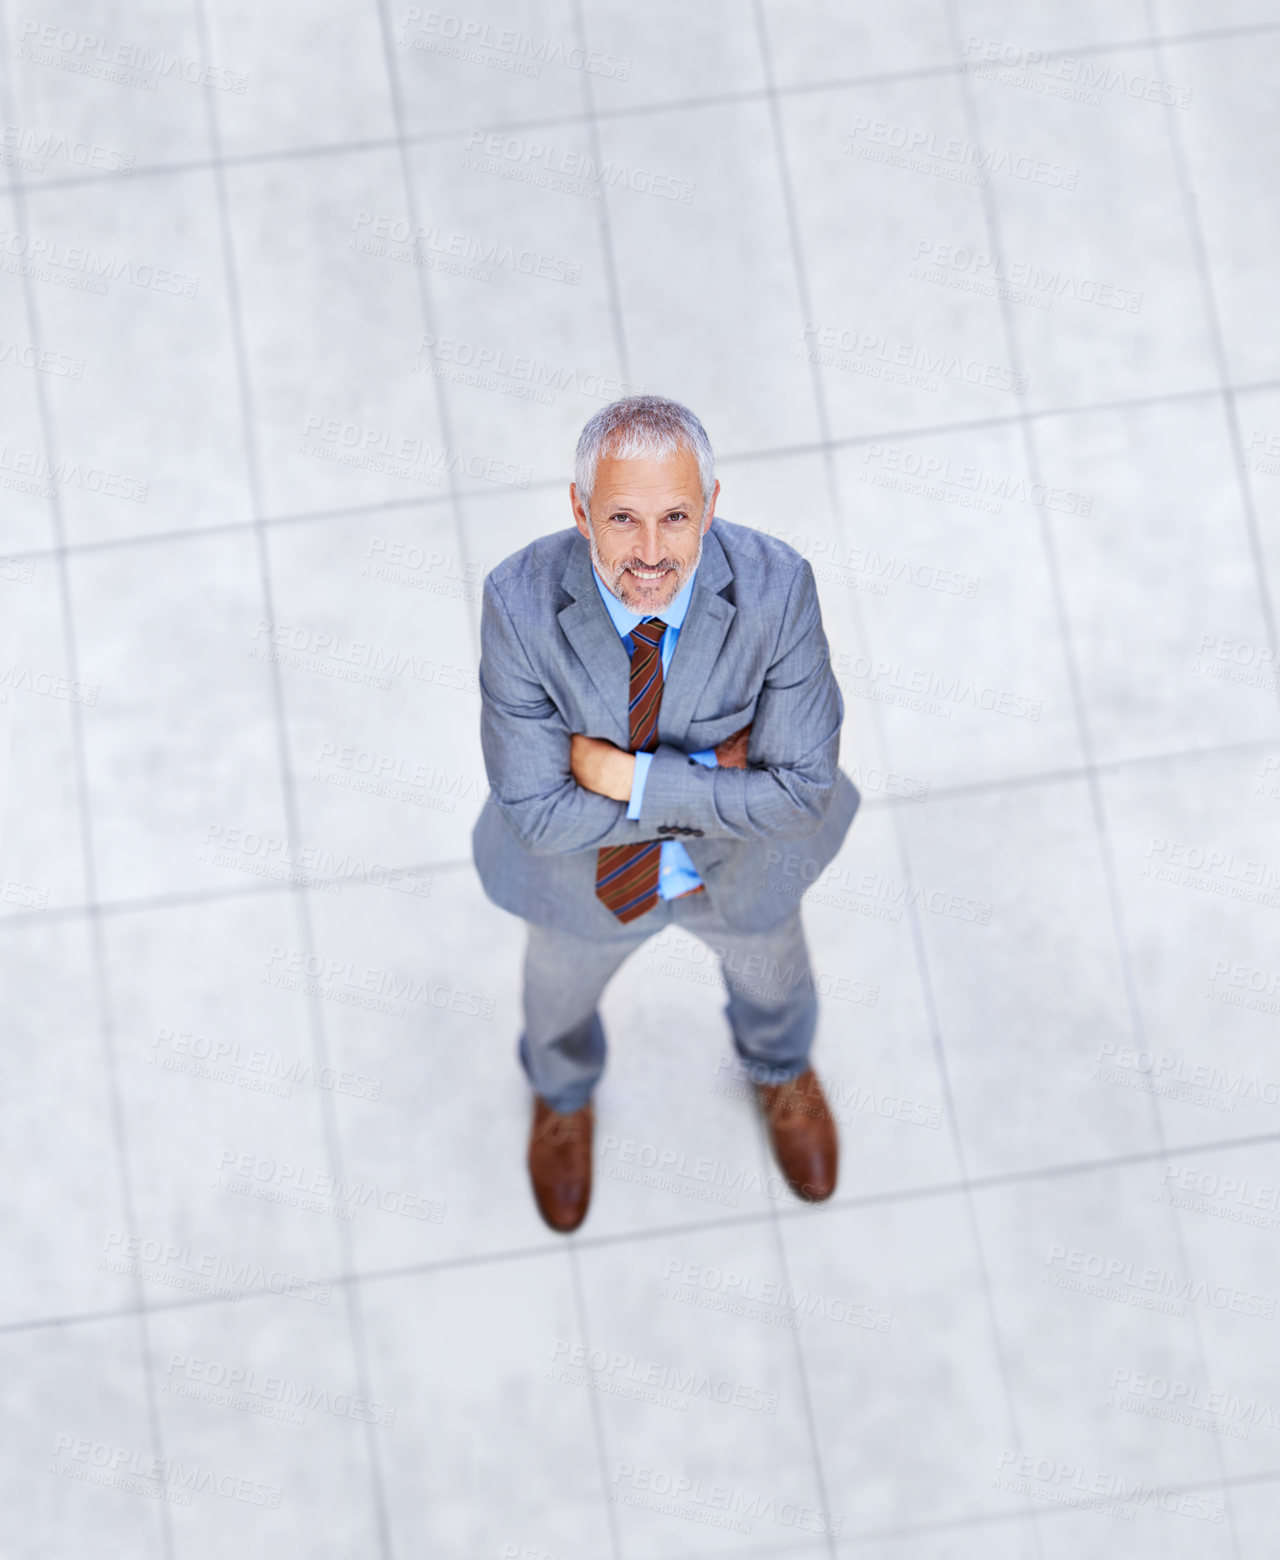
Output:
x=265 y=1393
x=1110 y=1494
x=491 y=151
x=1185 y=1402
x=1153 y=1288
x=672 y=1386
x=717 y=1504
x=203 y=1272
x=119 y=1464
x=443 y=32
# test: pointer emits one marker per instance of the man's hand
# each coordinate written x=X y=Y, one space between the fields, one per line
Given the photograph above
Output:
x=601 y=767
x=732 y=752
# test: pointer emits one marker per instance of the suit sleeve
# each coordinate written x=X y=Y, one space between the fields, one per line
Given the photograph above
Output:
x=792 y=752
x=643 y=760
x=525 y=742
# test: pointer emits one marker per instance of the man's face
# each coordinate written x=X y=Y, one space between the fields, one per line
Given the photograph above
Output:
x=646 y=527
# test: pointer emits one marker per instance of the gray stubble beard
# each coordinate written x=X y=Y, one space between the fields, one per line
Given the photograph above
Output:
x=598 y=565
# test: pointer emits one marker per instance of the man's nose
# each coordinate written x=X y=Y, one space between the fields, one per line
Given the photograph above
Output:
x=650 y=548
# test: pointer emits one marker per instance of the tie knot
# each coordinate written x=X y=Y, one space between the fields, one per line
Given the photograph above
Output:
x=650 y=629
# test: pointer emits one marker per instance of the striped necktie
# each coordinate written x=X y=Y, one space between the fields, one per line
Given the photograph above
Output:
x=627 y=875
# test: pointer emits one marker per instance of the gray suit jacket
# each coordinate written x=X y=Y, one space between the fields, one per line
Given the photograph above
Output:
x=752 y=648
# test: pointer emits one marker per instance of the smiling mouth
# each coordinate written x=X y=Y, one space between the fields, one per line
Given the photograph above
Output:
x=647 y=574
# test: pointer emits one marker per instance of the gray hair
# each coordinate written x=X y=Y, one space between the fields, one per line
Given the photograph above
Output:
x=641 y=426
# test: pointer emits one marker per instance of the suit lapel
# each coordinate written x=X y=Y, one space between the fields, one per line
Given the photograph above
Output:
x=597 y=644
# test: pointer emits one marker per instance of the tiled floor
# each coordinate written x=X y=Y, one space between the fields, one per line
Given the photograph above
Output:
x=302 y=306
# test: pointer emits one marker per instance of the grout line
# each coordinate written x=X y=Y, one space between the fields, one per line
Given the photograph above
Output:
x=84 y=817
x=630 y=111
x=455 y=495
x=993 y=1519
x=836 y=1206
x=992 y=786
x=876 y=719
x=1213 y=322
x=608 y=250
x=179 y=901
x=288 y=787
x=1105 y=851
x=494 y=493
x=800 y=283
x=613 y=291
x=596 y=1409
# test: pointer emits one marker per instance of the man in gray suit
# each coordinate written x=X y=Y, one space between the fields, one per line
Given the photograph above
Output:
x=659 y=721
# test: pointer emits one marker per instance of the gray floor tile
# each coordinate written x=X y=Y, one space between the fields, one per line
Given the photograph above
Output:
x=690 y=1343
x=728 y=307
x=1221 y=140
x=26 y=364
x=420 y=1000
x=1196 y=873
x=1004 y=26
x=102 y=92
x=80 y=1474
x=1084 y=1317
x=1258 y=421
x=307 y=75
x=1009 y=1540
x=1175 y=16
x=133 y=282
x=874 y=1051
x=910 y=1413
x=1027 y=985
x=1094 y=319
x=41 y=851
x=1163 y=602
x=968 y=683
x=506 y=62
x=1254 y=1511
x=829 y=41
x=517 y=272
x=181 y=741
x=905 y=329
x=332 y=320
x=58 y=1125
x=234 y=1186
x=636 y=67
x=380 y=687
x=470 y=1414
x=271 y=1402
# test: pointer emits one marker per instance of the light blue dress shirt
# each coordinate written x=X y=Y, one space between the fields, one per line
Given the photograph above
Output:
x=676 y=871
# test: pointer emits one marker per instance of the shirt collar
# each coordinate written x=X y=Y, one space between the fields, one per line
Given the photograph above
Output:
x=624 y=620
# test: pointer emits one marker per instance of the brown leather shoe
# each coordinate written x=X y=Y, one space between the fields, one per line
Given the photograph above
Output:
x=560 y=1163
x=803 y=1133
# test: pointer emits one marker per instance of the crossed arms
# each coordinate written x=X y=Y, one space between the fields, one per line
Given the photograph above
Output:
x=537 y=766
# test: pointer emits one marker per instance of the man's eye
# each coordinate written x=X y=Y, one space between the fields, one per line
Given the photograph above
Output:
x=678 y=514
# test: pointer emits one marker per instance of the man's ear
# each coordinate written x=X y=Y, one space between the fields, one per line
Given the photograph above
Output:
x=579 y=513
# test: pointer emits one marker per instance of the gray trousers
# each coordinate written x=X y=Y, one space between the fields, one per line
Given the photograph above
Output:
x=772 y=1007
